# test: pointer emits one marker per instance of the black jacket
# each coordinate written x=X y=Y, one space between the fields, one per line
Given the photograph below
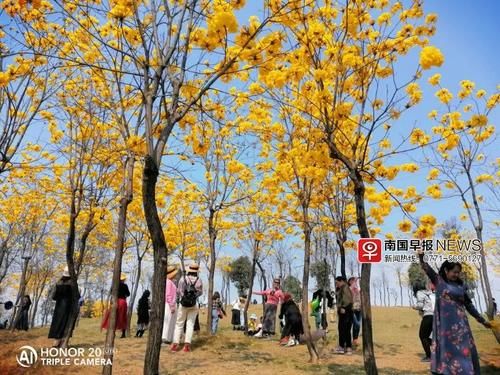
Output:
x=319 y=294
x=123 y=291
x=143 y=310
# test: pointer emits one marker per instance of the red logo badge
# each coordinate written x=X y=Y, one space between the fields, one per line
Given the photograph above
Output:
x=369 y=250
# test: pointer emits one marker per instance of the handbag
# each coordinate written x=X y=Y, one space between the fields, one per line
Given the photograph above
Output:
x=219 y=314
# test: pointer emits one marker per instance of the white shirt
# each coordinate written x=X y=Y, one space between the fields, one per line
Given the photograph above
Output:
x=426 y=300
x=236 y=304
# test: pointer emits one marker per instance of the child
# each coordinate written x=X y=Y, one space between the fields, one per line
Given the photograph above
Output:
x=252 y=325
x=217 y=311
x=259 y=332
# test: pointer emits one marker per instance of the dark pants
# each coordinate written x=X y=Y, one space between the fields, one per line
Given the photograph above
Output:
x=345 y=325
x=356 y=324
x=425 y=332
x=293 y=328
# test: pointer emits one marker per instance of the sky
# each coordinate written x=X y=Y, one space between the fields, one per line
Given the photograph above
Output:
x=467 y=34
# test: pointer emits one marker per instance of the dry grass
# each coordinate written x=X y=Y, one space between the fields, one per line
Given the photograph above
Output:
x=398 y=351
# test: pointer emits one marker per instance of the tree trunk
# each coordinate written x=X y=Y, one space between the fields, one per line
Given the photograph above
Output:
x=212 y=233
x=479 y=233
x=36 y=301
x=370 y=363
x=150 y=176
x=342 y=256
x=20 y=294
x=311 y=347
x=133 y=295
x=264 y=285
x=127 y=195
x=250 y=287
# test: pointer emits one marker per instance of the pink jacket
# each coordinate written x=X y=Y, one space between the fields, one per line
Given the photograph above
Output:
x=171 y=294
x=273 y=296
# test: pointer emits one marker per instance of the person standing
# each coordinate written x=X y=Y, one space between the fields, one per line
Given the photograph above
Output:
x=356 y=309
x=453 y=349
x=274 y=296
x=170 y=305
x=121 y=310
x=425 y=305
x=22 y=322
x=236 y=314
x=217 y=311
x=190 y=288
x=318 y=309
x=63 y=295
x=344 y=310
x=143 y=313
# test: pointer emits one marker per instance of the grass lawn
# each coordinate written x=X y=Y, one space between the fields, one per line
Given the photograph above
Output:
x=397 y=349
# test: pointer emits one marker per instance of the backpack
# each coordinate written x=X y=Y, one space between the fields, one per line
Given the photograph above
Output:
x=190 y=294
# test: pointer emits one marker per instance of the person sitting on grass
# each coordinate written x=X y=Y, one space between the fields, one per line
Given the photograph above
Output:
x=259 y=333
x=293 y=322
x=252 y=325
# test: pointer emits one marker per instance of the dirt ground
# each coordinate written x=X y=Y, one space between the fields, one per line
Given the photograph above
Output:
x=397 y=349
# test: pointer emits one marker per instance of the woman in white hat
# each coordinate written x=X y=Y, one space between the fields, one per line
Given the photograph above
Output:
x=170 y=306
x=121 y=310
x=188 y=291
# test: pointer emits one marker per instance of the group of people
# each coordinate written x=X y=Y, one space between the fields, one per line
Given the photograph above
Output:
x=442 y=305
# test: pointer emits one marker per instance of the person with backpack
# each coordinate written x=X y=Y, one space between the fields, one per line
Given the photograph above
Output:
x=317 y=308
x=426 y=300
x=189 y=289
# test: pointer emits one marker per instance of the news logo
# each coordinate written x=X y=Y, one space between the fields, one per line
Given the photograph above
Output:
x=369 y=250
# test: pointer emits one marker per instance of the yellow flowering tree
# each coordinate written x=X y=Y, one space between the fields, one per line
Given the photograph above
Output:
x=25 y=76
x=340 y=75
x=217 y=152
x=459 y=162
